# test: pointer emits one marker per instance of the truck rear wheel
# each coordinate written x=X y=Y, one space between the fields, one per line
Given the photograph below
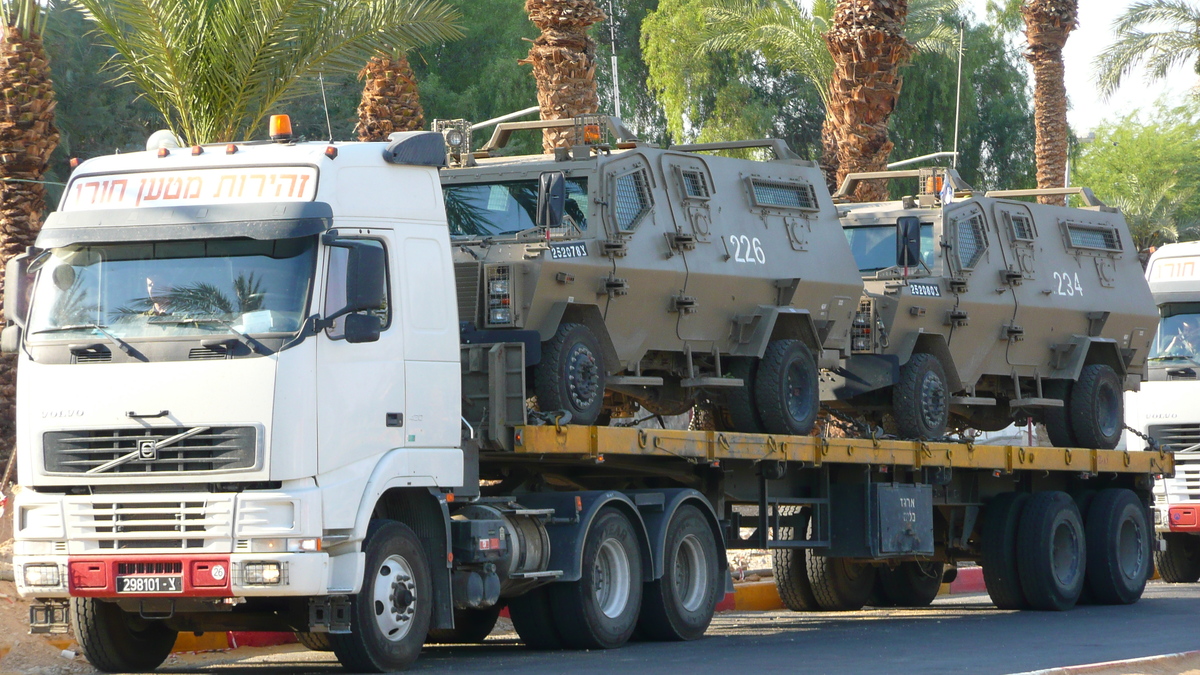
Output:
x=1097 y=407
x=571 y=374
x=389 y=617
x=1118 y=547
x=680 y=605
x=601 y=610
x=1001 y=519
x=115 y=641
x=1051 y=551
x=840 y=585
x=739 y=402
x=533 y=619
x=471 y=626
x=921 y=399
x=786 y=388
x=911 y=583
x=317 y=642
x=790 y=564
x=1180 y=563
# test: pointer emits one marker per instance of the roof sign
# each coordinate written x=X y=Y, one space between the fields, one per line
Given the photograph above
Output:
x=241 y=185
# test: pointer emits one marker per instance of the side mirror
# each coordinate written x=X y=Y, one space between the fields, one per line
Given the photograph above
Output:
x=362 y=328
x=552 y=199
x=16 y=288
x=366 y=276
x=10 y=339
x=908 y=241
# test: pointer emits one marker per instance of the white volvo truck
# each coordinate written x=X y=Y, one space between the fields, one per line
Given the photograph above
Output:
x=246 y=403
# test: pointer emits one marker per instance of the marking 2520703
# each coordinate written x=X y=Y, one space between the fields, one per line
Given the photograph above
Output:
x=747 y=250
x=1068 y=284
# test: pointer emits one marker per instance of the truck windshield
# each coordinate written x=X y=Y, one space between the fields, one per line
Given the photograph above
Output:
x=874 y=246
x=494 y=209
x=1178 y=337
x=170 y=289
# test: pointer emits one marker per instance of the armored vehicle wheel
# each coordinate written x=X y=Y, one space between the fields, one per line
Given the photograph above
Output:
x=1097 y=407
x=571 y=374
x=601 y=610
x=840 y=585
x=389 y=617
x=1051 y=552
x=1118 y=547
x=471 y=626
x=533 y=619
x=739 y=402
x=1180 y=563
x=317 y=642
x=1001 y=518
x=790 y=565
x=1058 y=420
x=680 y=605
x=786 y=388
x=115 y=641
x=911 y=583
x=921 y=400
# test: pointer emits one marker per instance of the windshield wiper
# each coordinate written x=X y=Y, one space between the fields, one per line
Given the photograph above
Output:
x=103 y=330
x=242 y=337
x=1172 y=357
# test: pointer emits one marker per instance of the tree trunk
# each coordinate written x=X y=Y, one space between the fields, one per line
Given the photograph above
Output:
x=829 y=156
x=564 y=63
x=27 y=137
x=868 y=47
x=1048 y=23
x=390 y=100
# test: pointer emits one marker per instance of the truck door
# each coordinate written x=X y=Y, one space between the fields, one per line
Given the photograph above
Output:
x=360 y=387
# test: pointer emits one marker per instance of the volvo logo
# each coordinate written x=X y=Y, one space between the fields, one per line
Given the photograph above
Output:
x=147 y=450
x=56 y=414
x=1162 y=416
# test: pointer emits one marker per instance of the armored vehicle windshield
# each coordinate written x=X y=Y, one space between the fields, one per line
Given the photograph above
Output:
x=874 y=246
x=507 y=208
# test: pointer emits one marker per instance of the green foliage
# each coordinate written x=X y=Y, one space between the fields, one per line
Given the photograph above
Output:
x=640 y=110
x=1161 y=33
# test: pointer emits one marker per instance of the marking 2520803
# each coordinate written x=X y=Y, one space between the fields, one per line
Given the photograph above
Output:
x=1068 y=284
x=747 y=250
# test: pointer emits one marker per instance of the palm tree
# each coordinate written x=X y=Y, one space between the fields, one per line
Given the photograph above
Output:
x=214 y=70
x=1048 y=23
x=390 y=100
x=27 y=138
x=1161 y=33
x=1154 y=212
x=564 y=62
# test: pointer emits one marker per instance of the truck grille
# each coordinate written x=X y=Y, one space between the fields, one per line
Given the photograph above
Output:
x=466 y=282
x=217 y=449
x=1177 y=438
x=195 y=522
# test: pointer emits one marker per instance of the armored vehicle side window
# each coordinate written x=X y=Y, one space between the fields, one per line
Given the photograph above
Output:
x=783 y=195
x=335 y=290
x=695 y=184
x=970 y=237
x=633 y=199
x=1020 y=226
x=874 y=246
x=1095 y=237
x=494 y=209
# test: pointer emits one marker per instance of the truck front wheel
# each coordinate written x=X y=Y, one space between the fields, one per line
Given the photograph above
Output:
x=680 y=605
x=571 y=374
x=115 y=641
x=471 y=626
x=389 y=618
x=1180 y=563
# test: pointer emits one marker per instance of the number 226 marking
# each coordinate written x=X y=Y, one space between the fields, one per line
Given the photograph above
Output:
x=1068 y=283
x=753 y=250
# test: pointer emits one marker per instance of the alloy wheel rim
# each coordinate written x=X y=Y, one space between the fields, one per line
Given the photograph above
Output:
x=611 y=578
x=395 y=598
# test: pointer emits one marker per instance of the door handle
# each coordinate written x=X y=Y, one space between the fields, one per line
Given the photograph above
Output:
x=395 y=419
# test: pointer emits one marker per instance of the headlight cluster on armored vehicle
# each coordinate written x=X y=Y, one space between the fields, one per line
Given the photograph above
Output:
x=499 y=295
x=860 y=331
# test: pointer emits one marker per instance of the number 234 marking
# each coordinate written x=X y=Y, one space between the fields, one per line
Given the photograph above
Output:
x=1068 y=283
x=753 y=250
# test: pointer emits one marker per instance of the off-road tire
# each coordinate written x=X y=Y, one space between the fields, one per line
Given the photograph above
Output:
x=911 y=583
x=1180 y=563
x=739 y=401
x=533 y=619
x=680 y=605
x=786 y=388
x=790 y=565
x=921 y=398
x=579 y=606
x=840 y=585
x=1058 y=420
x=317 y=642
x=471 y=626
x=389 y=547
x=115 y=641
x=1001 y=520
x=1051 y=552
x=1098 y=407
x=1119 y=539
x=571 y=374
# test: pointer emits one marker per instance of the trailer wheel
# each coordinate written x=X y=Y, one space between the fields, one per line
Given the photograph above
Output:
x=1051 y=551
x=1058 y=420
x=471 y=626
x=571 y=374
x=533 y=619
x=680 y=605
x=911 y=583
x=1098 y=407
x=115 y=641
x=840 y=585
x=1118 y=547
x=389 y=617
x=790 y=565
x=601 y=610
x=739 y=402
x=1180 y=563
x=921 y=399
x=317 y=642
x=786 y=388
x=1001 y=518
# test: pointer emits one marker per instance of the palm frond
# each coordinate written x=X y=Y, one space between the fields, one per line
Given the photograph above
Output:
x=1160 y=50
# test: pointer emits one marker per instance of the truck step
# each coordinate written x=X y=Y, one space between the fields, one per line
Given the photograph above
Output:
x=548 y=574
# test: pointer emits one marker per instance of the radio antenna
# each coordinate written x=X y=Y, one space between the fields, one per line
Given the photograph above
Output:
x=612 y=35
x=325 y=103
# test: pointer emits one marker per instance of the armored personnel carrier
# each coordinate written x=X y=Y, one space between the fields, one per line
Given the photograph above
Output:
x=980 y=308
x=651 y=277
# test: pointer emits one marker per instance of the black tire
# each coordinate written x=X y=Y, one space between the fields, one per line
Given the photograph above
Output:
x=317 y=642
x=1180 y=562
x=571 y=374
x=387 y=629
x=471 y=626
x=1119 y=538
x=911 y=583
x=786 y=388
x=115 y=641
x=601 y=610
x=1001 y=520
x=1058 y=420
x=739 y=402
x=878 y=597
x=790 y=565
x=921 y=399
x=840 y=585
x=1098 y=407
x=533 y=619
x=1051 y=552
x=680 y=605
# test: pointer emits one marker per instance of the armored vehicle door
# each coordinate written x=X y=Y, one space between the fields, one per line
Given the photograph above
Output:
x=691 y=196
x=1017 y=243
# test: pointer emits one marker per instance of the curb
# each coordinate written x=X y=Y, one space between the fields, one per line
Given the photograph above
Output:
x=1160 y=660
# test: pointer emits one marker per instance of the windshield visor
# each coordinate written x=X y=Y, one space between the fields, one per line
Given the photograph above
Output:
x=174 y=289
x=1178 y=336
x=497 y=209
x=874 y=246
